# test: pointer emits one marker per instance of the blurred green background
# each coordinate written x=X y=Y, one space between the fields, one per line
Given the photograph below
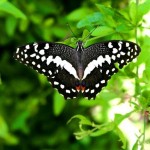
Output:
x=32 y=114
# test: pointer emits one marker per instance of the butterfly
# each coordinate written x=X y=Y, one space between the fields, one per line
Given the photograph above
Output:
x=77 y=70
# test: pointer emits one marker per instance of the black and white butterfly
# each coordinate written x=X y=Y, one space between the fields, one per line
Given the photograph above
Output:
x=77 y=70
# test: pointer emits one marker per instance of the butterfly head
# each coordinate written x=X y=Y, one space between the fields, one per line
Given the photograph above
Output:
x=79 y=46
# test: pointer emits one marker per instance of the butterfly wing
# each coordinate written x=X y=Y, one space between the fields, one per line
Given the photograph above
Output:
x=55 y=61
x=99 y=63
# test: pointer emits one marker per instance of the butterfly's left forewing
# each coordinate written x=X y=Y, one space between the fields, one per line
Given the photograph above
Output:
x=53 y=60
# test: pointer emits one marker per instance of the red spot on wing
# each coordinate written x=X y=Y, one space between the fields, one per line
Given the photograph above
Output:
x=80 y=88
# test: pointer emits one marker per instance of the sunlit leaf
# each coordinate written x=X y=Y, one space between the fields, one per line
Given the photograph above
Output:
x=7 y=7
x=58 y=104
x=103 y=31
x=83 y=120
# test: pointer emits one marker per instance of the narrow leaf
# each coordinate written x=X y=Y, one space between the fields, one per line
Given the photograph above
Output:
x=7 y=7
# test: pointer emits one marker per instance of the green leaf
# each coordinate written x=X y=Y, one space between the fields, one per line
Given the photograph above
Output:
x=83 y=120
x=78 y=14
x=119 y=117
x=143 y=9
x=105 y=10
x=11 y=24
x=122 y=137
x=133 y=13
x=91 y=19
x=7 y=7
x=135 y=146
x=124 y=28
x=3 y=127
x=110 y=13
x=4 y=133
x=103 y=129
x=58 y=104
x=103 y=31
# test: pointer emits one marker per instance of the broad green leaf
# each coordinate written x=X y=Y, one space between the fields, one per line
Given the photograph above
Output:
x=58 y=104
x=124 y=28
x=122 y=137
x=94 y=18
x=103 y=31
x=7 y=7
x=78 y=14
x=83 y=120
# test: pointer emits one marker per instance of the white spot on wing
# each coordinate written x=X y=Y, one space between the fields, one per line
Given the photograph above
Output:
x=33 y=62
x=25 y=55
x=67 y=91
x=122 y=53
x=73 y=90
x=33 y=55
x=122 y=61
x=136 y=47
x=37 y=56
x=43 y=70
x=43 y=58
x=27 y=46
x=110 y=45
x=17 y=50
x=120 y=45
x=46 y=46
x=62 y=86
x=39 y=66
x=118 y=55
x=114 y=50
x=42 y=52
x=56 y=83
x=50 y=72
x=87 y=90
x=127 y=44
x=107 y=72
x=128 y=53
x=103 y=81
x=113 y=57
x=113 y=69
x=97 y=85
x=35 y=48
x=92 y=91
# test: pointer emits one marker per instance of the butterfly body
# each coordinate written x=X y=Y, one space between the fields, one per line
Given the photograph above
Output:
x=77 y=70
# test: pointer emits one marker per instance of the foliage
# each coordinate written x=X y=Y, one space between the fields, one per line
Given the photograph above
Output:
x=34 y=116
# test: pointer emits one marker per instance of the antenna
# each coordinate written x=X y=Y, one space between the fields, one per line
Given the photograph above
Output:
x=71 y=30
x=89 y=34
